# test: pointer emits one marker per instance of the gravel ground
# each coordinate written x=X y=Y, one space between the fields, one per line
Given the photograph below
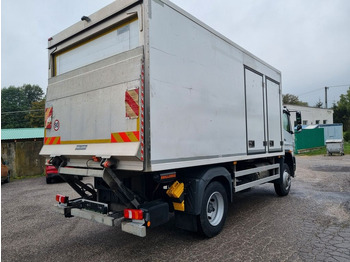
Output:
x=312 y=223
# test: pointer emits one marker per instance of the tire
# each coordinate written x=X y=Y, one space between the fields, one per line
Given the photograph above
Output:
x=214 y=210
x=48 y=180
x=283 y=184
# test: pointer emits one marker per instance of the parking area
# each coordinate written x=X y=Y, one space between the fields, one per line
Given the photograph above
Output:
x=311 y=224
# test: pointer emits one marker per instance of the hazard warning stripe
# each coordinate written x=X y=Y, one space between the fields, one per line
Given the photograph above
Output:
x=123 y=137
x=55 y=140
x=48 y=117
x=132 y=103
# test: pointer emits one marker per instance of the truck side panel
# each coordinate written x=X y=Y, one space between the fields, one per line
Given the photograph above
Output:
x=197 y=92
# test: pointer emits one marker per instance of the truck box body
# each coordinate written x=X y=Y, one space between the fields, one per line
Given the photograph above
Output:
x=147 y=84
x=166 y=114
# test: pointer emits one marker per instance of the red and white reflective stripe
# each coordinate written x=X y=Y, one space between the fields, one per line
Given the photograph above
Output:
x=61 y=199
x=142 y=108
x=48 y=117
x=132 y=103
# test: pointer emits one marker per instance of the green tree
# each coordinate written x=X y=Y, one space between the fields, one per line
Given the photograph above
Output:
x=33 y=93
x=319 y=104
x=37 y=114
x=289 y=99
x=16 y=103
x=342 y=111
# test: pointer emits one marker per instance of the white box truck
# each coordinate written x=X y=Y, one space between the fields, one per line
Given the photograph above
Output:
x=166 y=114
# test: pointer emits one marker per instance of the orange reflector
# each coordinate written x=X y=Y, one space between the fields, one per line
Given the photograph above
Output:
x=62 y=199
x=133 y=214
x=107 y=164
x=148 y=223
x=96 y=159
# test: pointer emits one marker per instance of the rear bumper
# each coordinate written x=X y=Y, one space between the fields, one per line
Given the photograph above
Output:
x=136 y=228
x=89 y=215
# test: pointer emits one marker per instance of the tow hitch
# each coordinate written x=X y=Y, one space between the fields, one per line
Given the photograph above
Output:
x=133 y=221
x=133 y=215
x=88 y=209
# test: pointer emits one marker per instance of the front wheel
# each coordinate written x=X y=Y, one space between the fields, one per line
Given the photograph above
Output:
x=283 y=184
x=214 y=210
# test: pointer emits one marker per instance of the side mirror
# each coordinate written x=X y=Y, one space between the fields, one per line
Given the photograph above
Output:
x=299 y=127
x=298 y=118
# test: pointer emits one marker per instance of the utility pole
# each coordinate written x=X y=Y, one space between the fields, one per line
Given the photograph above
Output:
x=325 y=96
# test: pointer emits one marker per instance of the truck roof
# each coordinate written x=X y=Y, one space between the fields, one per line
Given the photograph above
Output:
x=96 y=18
x=117 y=7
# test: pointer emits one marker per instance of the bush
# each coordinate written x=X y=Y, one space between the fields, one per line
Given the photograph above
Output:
x=347 y=136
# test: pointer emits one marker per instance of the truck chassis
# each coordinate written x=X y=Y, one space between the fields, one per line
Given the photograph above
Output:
x=205 y=195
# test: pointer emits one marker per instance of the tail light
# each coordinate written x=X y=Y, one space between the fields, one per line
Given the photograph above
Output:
x=133 y=214
x=62 y=199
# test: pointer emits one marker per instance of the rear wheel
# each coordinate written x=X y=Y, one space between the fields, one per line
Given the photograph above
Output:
x=48 y=180
x=283 y=184
x=214 y=210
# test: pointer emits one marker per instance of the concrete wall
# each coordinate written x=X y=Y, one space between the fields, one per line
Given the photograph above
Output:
x=312 y=115
x=23 y=157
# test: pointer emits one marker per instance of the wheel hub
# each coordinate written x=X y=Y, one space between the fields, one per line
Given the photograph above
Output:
x=286 y=180
x=215 y=208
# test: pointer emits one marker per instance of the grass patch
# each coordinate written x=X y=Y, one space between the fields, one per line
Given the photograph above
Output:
x=347 y=148
x=314 y=152
x=323 y=150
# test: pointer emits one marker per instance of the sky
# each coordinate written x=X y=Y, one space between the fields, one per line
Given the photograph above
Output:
x=307 y=40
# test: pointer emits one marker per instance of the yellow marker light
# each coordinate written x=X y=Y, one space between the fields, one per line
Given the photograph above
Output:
x=179 y=206
x=176 y=190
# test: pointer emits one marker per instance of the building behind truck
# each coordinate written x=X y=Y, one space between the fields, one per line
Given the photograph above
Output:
x=166 y=114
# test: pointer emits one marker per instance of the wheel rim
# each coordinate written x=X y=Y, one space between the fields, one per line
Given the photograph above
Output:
x=286 y=180
x=215 y=208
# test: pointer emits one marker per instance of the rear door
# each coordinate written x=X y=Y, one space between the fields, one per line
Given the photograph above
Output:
x=95 y=87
